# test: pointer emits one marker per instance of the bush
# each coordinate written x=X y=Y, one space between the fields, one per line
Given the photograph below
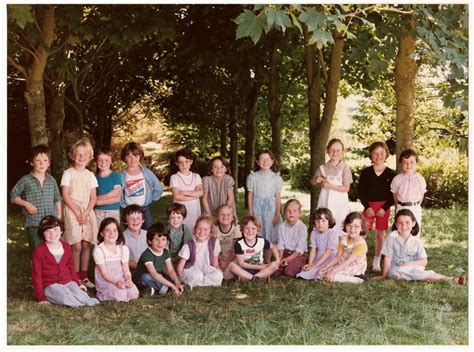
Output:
x=447 y=182
x=300 y=174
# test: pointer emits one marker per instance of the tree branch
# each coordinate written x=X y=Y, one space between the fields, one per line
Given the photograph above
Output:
x=17 y=66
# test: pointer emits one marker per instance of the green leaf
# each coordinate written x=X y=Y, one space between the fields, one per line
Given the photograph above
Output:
x=72 y=39
x=20 y=14
x=321 y=38
x=249 y=25
x=377 y=66
x=313 y=19
x=295 y=21
x=278 y=19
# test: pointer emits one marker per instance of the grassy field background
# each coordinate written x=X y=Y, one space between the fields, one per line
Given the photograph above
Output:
x=284 y=311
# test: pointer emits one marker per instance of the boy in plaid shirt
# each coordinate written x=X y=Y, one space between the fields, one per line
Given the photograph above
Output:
x=38 y=193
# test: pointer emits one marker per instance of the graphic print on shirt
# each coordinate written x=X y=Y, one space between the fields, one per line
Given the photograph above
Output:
x=135 y=188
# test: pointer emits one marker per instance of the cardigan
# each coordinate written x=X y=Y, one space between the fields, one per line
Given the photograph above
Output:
x=46 y=271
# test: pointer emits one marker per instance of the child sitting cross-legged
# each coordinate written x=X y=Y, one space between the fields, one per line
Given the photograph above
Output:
x=250 y=249
x=199 y=264
x=154 y=262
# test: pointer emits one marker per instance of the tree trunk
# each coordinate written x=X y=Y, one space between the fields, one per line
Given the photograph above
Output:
x=405 y=72
x=34 y=92
x=234 y=148
x=55 y=124
x=251 y=131
x=273 y=99
x=223 y=139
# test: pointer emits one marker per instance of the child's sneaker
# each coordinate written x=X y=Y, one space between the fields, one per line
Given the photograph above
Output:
x=148 y=291
x=87 y=283
x=187 y=287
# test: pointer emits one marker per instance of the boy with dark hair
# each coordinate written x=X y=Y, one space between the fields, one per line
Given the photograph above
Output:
x=38 y=193
x=134 y=235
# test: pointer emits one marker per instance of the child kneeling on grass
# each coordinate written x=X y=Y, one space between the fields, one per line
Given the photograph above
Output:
x=250 y=249
x=405 y=255
x=54 y=278
x=199 y=265
x=350 y=263
x=150 y=272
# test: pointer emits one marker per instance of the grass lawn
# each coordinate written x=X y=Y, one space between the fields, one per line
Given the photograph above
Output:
x=284 y=311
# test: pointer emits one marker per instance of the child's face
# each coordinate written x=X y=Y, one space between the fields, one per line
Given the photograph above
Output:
x=250 y=230
x=40 y=163
x=321 y=224
x=408 y=165
x=354 y=228
x=292 y=213
x=81 y=157
x=52 y=235
x=175 y=220
x=158 y=243
x=132 y=160
x=103 y=162
x=264 y=161
x=225 y=216
x=378 y=156
x=336 y=151
x=218 y=169
x=183 y=164
x=202 y=231
x=134 y=221
x=110 y=233
x=404 y=225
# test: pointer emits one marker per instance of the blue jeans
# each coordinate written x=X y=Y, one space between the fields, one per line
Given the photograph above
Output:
x=147 y=280
x=148 y=218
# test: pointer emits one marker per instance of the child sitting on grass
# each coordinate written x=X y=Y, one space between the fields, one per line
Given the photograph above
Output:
x=292 y=240
x=250 y=250
x=227 y=232
x=154 y=262
x=405 y=255
x=350 y=263
x=198 y=265
x=54 y=278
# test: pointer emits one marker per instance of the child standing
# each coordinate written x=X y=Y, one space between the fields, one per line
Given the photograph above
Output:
x=335 y=178
x=292 y=240
x=409 y=187
x=37 y=193
x=218 y=187
x=78 y=188
x=154 y=262
x=250 y=253
x=264 y=193
x=54 y=278
x=405 y=256
x=134 y=235
x=350 y=263
x=324 y=243
x=110 y=188
x=140 y=184
x=113 y=279
x=227 y=232
x=186 y=187
x=375 y=195
x=179 y=232
x=199 y=265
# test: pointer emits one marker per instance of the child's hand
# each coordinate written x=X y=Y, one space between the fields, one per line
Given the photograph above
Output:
x=329 y=277
x=120 y=285
x=306 y=267
x=370 y=212
x=128 y=282
x=44 y=302
x=83 y=288
x=31 y=209
x=380 y=213
x=177 y=289
x=276 y=219
x=327 y=185
x=284 y=262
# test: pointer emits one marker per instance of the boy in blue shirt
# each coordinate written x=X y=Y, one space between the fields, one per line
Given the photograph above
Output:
x=38 y=193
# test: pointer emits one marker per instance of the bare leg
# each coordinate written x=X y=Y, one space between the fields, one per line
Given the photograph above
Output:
x=379 y=240
x=238 y=271
x=268 y=271
x=438 y=277
x=85 y=255
x=76 y=253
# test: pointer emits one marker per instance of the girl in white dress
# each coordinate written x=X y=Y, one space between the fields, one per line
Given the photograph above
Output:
x=186 y=187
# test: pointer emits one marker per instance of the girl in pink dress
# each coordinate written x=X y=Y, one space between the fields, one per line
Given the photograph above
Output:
x=113 y=279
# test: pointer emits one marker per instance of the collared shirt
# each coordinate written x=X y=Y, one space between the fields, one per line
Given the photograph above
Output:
x=402 y=252
x=43 y=198
x=293 y=238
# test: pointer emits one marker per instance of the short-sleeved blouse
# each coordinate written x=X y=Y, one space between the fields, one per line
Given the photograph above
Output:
x=409 y=188
x=328 y=240
x=264 y=184
x=402 y=252
x=217 y=190
x=102 y=254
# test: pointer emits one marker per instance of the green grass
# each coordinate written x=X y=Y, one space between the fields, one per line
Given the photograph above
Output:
x=285 y=311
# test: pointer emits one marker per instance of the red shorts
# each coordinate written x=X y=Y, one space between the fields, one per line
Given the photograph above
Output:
x=381 y=223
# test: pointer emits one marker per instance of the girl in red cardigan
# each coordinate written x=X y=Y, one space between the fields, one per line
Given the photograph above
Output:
x=54 y=278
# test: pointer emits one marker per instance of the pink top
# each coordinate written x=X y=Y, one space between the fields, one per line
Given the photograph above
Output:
x=409 y=188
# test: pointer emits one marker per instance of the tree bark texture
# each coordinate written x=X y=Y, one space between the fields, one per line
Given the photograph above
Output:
x=34 y=92
x=223 y=139
x=274 y=105
x=405 y=72
x=234 y=147
x=55 y=122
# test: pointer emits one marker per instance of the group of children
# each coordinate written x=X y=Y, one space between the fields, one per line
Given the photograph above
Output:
x=195 y=249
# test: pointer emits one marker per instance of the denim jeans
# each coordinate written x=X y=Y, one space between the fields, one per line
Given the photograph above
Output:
x=148 y=281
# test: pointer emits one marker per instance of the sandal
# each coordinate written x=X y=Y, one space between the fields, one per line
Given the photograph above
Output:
x=460 y=280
